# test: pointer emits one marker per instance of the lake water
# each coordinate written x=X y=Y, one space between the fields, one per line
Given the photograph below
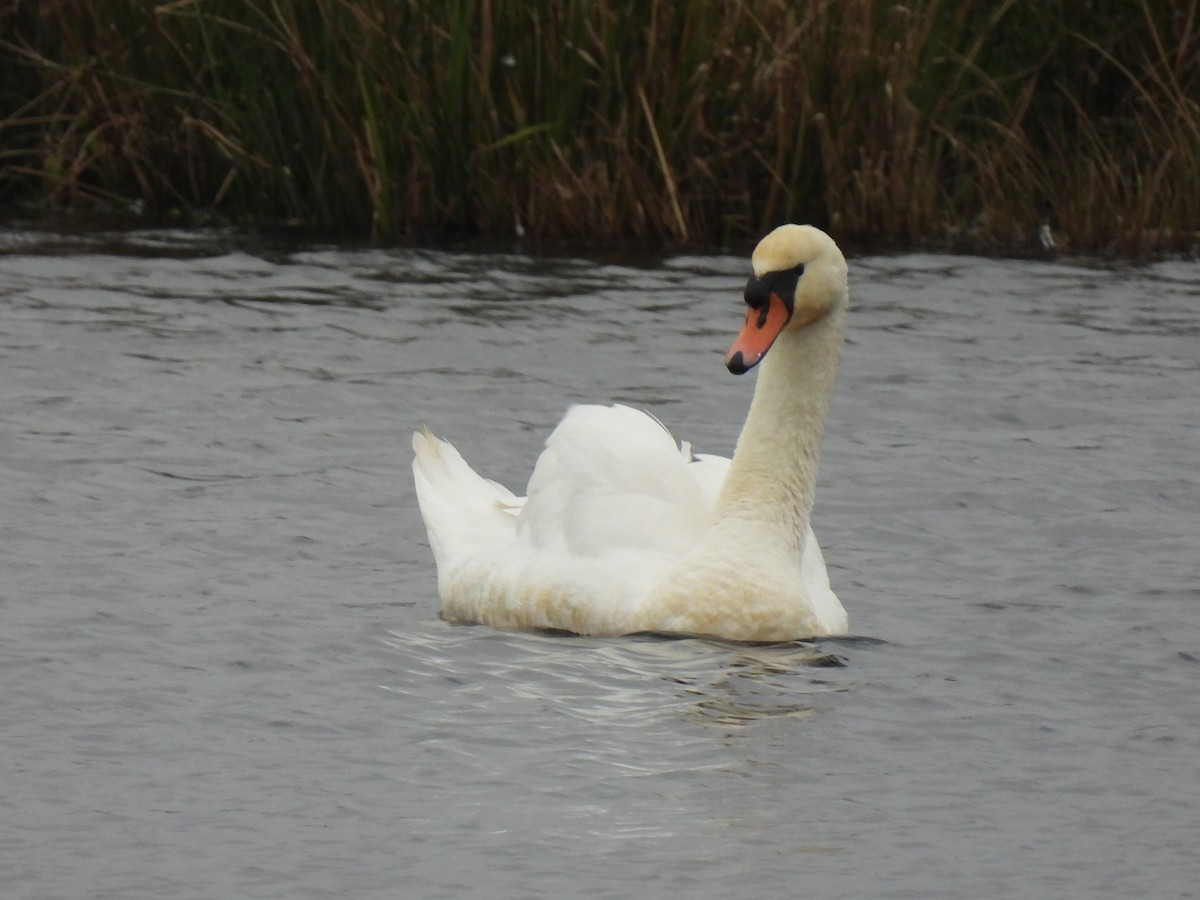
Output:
x=224 y=674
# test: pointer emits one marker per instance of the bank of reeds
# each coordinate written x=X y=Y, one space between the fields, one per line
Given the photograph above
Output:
x=610 y=121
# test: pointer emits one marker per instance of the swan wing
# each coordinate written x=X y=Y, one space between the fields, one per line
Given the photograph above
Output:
x=612 y=478
x=611 y=505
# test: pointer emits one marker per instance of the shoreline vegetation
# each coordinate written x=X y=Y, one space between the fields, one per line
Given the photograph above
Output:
x=985 y=127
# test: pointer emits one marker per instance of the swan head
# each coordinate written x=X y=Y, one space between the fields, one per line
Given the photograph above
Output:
x=799 y=279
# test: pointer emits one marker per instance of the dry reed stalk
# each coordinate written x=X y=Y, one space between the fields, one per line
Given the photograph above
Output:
x=653 y=123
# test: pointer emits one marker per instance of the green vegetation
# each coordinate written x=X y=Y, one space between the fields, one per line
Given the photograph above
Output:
x=618 y=121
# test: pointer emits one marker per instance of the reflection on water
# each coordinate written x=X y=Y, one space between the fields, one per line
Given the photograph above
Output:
x=717 y=683
x=766 y=682
x=224 y=670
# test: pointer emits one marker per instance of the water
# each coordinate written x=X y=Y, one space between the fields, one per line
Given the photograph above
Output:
x=224 y=675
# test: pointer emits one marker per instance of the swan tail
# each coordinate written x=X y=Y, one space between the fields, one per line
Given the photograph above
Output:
x=463 y=511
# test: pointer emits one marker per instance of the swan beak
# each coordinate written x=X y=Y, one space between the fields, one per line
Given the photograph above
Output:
x=763 y=325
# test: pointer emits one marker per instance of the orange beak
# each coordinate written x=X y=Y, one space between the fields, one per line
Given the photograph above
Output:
x=758 y=334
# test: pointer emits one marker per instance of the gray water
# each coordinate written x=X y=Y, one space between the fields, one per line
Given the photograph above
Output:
x=224 y=674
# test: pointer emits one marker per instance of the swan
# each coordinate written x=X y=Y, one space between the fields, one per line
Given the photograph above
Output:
x=622 y=531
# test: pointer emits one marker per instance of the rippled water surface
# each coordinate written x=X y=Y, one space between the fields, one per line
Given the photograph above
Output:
x=224 y=674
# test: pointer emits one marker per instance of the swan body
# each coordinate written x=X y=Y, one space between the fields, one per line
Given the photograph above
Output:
x=623 y=531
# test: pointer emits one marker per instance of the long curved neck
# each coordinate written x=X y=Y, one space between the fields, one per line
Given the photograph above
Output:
x=772 y=479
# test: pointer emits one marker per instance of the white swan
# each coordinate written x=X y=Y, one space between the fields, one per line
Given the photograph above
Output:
x=624 y=532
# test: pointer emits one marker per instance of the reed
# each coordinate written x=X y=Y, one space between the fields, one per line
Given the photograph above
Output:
x=617 y=121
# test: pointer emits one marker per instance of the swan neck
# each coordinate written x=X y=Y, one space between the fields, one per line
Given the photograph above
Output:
x=772 y=479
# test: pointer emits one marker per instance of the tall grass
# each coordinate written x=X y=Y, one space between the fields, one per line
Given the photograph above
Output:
x=638 y=121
